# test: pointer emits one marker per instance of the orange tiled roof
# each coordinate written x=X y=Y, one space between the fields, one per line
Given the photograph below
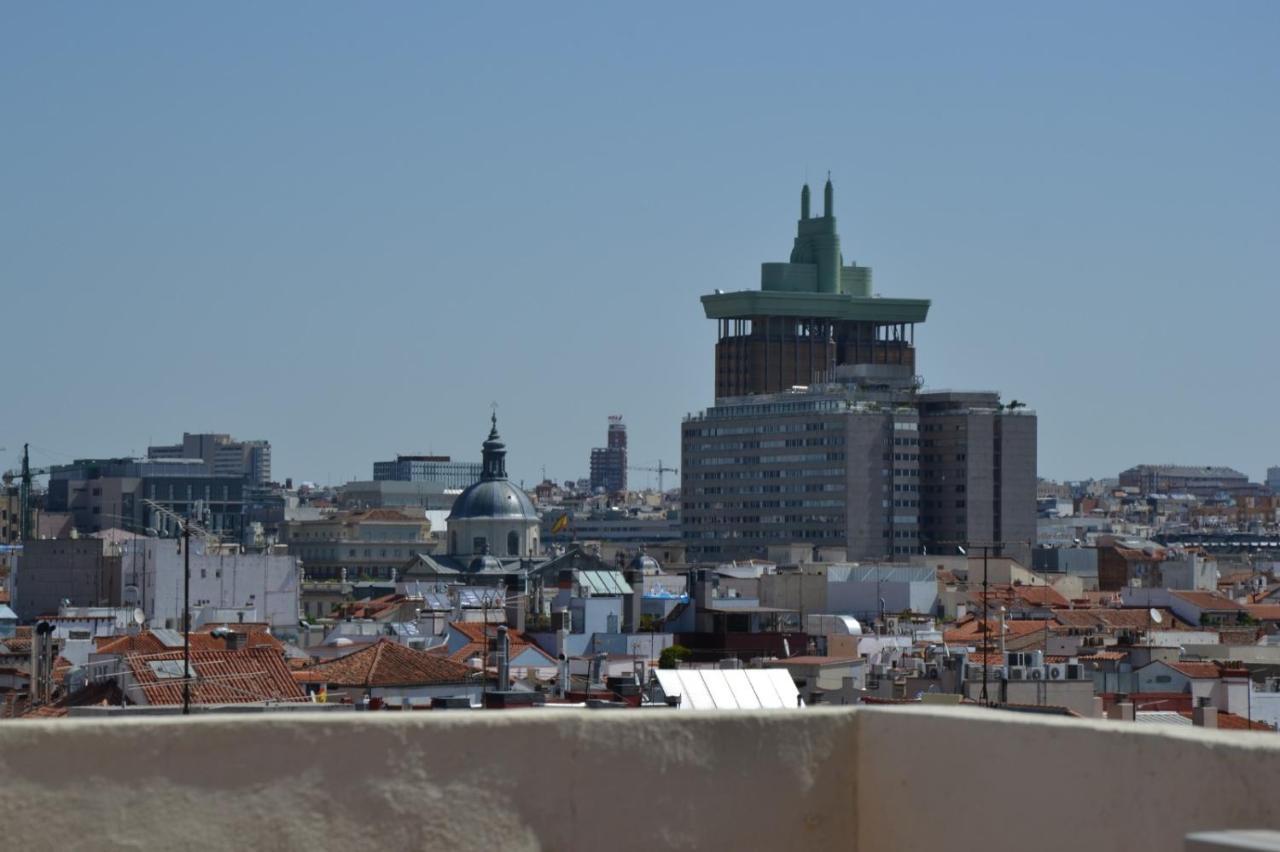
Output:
x=247 y=676
x=1110 y=618
x=1263 y=612
x=147 y=642
x=478 y=640
x=971 y=629
x=1114 y=656
x=386 y=663
x=1201 y=670
x=1207 y=600
x=1232 y=722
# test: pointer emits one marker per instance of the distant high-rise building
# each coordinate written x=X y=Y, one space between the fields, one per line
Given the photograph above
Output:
x=820 y=433
x=433 y=469
x=609 y=463
x=1273 y=479
x=250 y=460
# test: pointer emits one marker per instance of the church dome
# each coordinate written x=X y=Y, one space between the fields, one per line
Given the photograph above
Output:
x=493 y=496
x=493 y=499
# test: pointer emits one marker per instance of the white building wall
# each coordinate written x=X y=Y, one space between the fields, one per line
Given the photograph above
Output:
x=267 y=583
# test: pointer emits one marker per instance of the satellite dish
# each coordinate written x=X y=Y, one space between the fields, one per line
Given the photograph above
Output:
x=1155 y=615
x=139 y=617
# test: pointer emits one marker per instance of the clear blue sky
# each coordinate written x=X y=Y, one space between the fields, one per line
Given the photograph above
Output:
x=348 y=228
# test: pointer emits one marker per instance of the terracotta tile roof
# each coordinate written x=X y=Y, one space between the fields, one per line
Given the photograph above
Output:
x=478 y=641
x=971 y=629
x=203 y=639
x=1232 y=722
x=1207 y=600
x=1099 y=656
x=385 y=515
x=247 y=676
x=386 y=663
x=1202 y=670
x=1013 y=595
x=1109 y=618
x=1263 y=612
x=1175 y=701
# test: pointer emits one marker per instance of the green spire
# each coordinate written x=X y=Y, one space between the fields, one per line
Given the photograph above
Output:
x=804 y=202
x=828 y=199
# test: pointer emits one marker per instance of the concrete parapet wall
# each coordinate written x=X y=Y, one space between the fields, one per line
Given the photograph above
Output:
x=520 y=779
x=867 y=779
x=969 y=778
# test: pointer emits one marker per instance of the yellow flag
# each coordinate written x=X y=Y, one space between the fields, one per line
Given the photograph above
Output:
x=561 y=524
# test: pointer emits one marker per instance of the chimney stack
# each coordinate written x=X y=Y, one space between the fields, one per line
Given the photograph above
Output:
x=1204 y=715
x=1122 y=710
x=632 y=604
x=504 y=651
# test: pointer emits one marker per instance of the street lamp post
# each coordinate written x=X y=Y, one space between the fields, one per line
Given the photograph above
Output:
x=186 y=618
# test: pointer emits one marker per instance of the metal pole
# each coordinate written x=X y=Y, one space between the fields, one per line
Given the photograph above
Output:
x=186 y=618
x=986 y=631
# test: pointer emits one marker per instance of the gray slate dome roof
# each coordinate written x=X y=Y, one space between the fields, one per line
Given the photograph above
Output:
x=644 y=562
x=493 y=496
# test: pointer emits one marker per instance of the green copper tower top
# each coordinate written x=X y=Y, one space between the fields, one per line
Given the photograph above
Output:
x=815 y=282
x=812 y=317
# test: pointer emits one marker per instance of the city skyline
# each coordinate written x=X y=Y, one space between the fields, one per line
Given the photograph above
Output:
x=1086 y=223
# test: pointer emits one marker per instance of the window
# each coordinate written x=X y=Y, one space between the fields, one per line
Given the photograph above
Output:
x=513 y=543
x=479 y=544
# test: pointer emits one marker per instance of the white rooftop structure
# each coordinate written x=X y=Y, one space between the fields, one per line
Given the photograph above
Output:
x=730 y=689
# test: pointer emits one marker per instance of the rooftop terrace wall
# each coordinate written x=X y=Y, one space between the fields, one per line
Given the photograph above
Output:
x=867 y=779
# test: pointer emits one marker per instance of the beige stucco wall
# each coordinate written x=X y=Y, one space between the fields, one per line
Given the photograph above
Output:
x=560 y=780
x=868 y=779
x=939 y=779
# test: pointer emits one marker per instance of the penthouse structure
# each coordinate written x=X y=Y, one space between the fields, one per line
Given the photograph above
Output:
x=820 y=432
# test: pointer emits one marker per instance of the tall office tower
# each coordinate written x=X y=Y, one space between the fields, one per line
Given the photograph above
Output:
x=819 y=433
x=609 y=463
x=977 y=466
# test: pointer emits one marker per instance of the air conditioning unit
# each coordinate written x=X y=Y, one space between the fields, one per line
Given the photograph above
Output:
x=1056 y=671
x=997 y=672
x=1037 y=674
x=1017 y=672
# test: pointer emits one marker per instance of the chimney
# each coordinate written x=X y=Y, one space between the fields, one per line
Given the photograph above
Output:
x=1122 y=710
x=596 y=680
x=504 y=651
x=1204 y=715
x=515 y=614
x=560 y=624
x=632 y=603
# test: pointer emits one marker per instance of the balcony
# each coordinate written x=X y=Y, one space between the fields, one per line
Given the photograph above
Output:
x=866 y=779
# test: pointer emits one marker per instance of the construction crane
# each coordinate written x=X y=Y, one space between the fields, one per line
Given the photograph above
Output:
x=24 y=478
x=660 y=470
